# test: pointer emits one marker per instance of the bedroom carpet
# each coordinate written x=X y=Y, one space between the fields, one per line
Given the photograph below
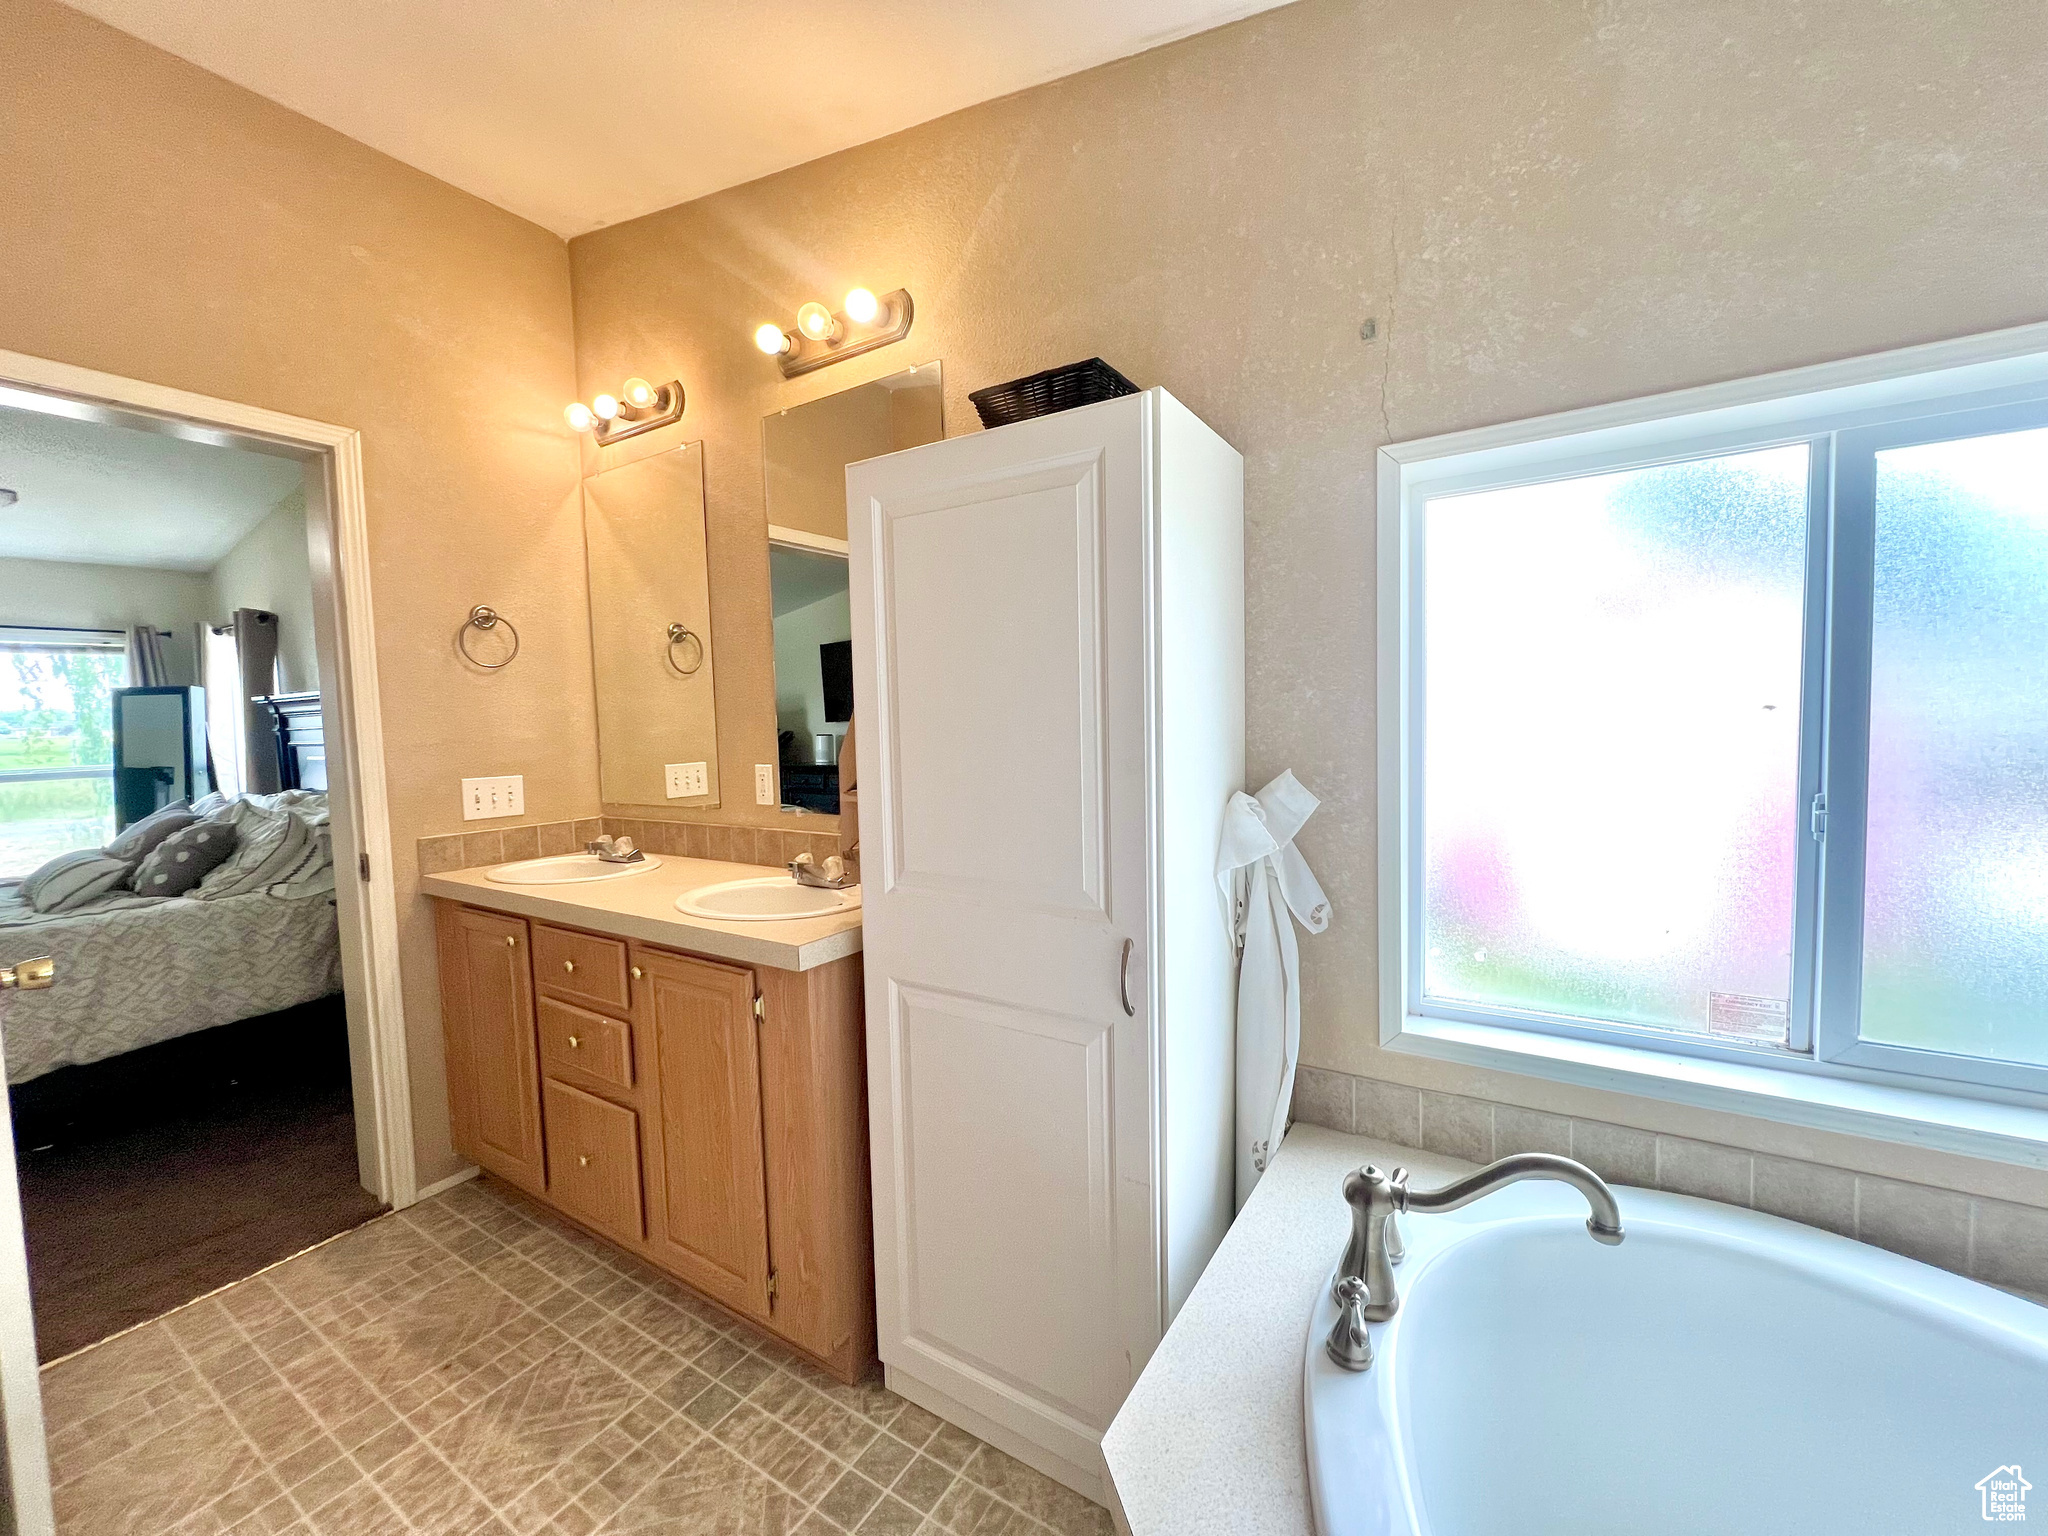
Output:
x=174 y=1170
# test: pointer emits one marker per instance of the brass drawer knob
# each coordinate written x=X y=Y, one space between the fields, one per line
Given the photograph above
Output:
x=574 y=1042
x=511 y=940
x=582 y=1160
x=569 y=966
x=638 y=973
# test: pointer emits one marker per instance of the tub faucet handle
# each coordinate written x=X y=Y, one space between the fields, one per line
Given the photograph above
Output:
x=1350 y=1345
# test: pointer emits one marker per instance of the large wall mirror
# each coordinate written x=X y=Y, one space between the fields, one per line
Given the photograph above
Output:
x=805 y=451
x=650 y=631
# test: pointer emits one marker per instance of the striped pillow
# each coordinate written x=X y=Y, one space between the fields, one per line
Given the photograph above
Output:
x=72 y=879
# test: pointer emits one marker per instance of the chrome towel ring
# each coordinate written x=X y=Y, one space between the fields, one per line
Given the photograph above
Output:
x=677 y=634
x=485 y=617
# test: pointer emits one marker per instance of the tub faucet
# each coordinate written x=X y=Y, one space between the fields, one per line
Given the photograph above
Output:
x=1376 y=1197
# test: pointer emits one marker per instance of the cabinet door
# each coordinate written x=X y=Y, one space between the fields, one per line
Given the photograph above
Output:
x=493 y=1053
x=1007 y=949
x=713 y=1226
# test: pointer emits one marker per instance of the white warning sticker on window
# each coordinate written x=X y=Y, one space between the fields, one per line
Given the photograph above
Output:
x=1748 y=1018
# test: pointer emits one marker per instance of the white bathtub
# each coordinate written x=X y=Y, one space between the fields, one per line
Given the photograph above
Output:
x=1721 y=1373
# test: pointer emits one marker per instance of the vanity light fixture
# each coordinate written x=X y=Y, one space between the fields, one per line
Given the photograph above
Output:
x=822 y=337
x=638 y=407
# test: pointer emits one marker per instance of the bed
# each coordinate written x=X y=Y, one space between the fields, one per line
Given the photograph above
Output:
x=136 y=970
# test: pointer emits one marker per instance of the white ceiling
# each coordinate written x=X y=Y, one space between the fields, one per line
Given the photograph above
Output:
x=580 y=113
x=107 y=495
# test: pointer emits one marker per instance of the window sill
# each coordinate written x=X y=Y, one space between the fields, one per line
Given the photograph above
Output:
x=2007 y=1133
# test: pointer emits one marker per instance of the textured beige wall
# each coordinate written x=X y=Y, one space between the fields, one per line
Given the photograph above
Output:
x=160 y=223
x=1544 y=206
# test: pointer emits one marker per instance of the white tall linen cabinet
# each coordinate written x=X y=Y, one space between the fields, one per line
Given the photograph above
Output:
x=1048 y=641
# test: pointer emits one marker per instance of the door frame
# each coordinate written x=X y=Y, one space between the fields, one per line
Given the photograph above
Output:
x=337 y=529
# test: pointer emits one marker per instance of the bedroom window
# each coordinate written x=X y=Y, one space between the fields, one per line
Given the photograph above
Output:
x=1722 y=734
x=56 y=742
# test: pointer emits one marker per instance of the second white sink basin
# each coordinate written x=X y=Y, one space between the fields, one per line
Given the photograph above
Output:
x=567 y=869
x=772 y=899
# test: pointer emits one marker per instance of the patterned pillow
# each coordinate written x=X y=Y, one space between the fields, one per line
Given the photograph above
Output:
x=184 y=858
x=133 y=845
x=270 y=843
x=72 y=879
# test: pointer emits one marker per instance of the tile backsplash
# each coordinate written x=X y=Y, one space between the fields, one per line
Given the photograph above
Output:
x=1995 y=1241
x=769 y=846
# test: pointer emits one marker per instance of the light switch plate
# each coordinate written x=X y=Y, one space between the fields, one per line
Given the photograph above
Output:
x=485 y=798
x=686 y=780
x=764 y=783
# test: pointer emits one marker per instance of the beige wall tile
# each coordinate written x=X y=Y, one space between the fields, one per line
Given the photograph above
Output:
x=1615 y=1152
x=1322 y=1098
x=1932 y=1225
x=1810 y=1193
x=438 y=855
x=1457 y=1126
x=481 y=848
x=588 y=830
x=521 y=842
x=1387 y=1111
x=1711 y=1172
x=696 y=840
x=718 y=842
x=1527 y=1130
x=558 y=837
x=2009 y=1246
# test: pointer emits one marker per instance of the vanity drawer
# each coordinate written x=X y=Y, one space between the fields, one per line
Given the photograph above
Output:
x=594 y=1161
x=578 y=1043
x=584 y=965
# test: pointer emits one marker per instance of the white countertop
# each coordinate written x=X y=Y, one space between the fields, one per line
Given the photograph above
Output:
x=643 y=906
x=1210 y=1439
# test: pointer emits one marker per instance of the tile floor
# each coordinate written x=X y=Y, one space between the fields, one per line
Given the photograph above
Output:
x=470 y=1368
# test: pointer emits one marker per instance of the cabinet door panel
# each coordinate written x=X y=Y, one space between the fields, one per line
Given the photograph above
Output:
x=493 y=1054
x=707 y=1070
x=594 y=1161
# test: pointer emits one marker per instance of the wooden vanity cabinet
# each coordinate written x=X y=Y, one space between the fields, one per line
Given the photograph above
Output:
x=708 y=1116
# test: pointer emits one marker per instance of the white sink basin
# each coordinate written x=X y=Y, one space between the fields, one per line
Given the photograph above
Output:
x=772 y=899
x=567 y=869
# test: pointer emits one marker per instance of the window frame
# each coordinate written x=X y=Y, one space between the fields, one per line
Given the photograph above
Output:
x=1845 y=411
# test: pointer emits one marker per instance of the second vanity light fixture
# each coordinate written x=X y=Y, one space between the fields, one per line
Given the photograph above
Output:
x=638 y=407
x=822 y=337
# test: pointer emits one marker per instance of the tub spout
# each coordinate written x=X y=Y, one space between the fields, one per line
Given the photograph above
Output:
x=1375 y=1198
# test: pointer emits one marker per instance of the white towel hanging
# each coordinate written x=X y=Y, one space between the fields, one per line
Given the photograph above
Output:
x=1264 y=877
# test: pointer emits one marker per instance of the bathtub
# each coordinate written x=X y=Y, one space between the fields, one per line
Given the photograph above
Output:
x=1720 y=1373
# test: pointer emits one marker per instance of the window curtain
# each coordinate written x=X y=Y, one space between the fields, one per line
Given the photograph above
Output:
x=256 y=656
x=146 y=665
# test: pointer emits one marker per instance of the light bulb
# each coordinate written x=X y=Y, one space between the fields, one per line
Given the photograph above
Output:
x=639 y=393
x=862 y=307
x=579 y=416
x=816 y=322
x=772 y=339
x=605 y=406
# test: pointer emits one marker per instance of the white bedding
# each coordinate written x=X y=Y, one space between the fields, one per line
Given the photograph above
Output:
x=134 y=970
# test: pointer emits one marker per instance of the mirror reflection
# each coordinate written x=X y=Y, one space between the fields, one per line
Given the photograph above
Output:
x=805 y=452
x=650 y=631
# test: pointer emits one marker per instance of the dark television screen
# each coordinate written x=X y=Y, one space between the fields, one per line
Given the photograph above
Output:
x=835 y=660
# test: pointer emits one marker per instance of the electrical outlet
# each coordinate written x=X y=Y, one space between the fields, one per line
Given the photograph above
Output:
x=764 y=783
x=688 y=779
x=484 y=798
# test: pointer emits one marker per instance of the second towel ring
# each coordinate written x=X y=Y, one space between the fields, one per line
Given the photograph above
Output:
x=677 y=634
x=484 y=616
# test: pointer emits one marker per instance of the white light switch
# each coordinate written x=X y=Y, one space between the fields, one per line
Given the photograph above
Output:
x=484 y=798
x=687 y=779
x=764 y=783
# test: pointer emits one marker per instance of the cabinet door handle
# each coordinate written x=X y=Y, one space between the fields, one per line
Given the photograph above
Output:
x=569 y=966
x=511 y=941
x=638 y=973
x=1124 y=982
x=574 y=1042
x=582 y=1160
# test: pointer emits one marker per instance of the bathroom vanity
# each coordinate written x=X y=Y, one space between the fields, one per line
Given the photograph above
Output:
x=691 y=1090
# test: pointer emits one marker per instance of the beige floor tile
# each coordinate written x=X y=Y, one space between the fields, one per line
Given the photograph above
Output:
x=708 y=1492
x=510 y=1439
x=149 y=1489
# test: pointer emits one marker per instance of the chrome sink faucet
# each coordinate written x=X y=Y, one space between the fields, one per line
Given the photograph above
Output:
x=1365 y=1288
x=833 y=874
x=614 y=850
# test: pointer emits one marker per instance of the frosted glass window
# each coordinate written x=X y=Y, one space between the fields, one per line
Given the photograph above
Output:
x=1610 y=781
x=1955 y=953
